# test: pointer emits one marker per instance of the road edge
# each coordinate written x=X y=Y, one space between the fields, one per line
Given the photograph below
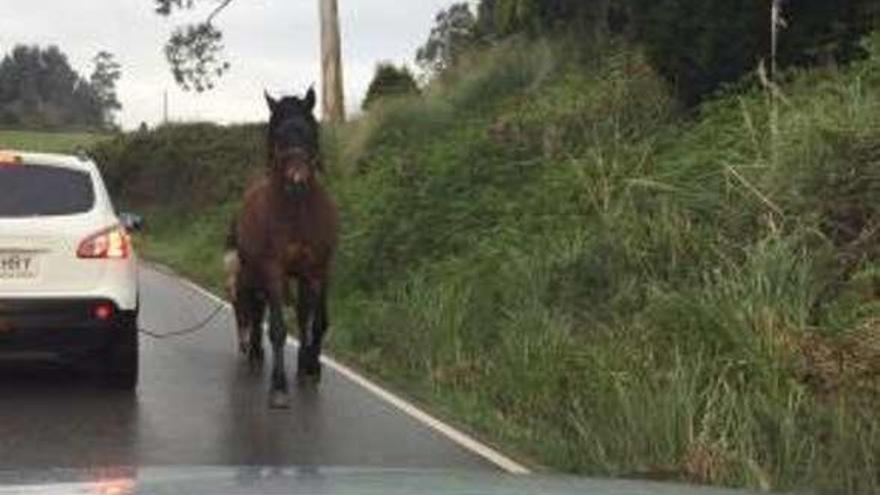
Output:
x=453 y=434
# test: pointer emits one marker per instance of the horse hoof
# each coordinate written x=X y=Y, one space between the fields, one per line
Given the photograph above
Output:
x=255 y=364
x=255 y=356
x=279 y=400
x=308 y=379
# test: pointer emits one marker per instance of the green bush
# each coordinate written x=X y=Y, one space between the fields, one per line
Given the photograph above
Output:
x=184 y=166
x=390 y=82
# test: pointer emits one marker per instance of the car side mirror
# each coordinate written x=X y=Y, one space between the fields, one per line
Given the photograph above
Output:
x=132 y=222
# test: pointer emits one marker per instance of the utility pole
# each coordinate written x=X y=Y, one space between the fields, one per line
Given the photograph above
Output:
x=332 y=97
x=165 y=107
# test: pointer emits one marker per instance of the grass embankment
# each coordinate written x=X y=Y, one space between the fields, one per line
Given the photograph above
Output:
x=49 y=142
x=550 y=253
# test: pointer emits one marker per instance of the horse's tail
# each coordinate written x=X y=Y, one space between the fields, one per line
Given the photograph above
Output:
x=232 y=235
x=231 y=261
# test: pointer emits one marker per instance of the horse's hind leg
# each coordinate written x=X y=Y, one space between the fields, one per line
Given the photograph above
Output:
x=242 y=318
x=278 y=393
x=255 y=340
x=236 y=293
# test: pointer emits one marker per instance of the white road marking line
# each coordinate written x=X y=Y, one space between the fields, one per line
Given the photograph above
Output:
x=462 y=439
x=205 y=292
x=458 y=437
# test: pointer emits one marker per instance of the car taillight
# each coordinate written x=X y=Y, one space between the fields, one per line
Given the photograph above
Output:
x=103 y=311
x=112 y=243
x=9 y=159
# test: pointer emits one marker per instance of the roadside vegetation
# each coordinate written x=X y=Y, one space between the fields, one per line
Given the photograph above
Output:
x=550 y=252
x=49 y=142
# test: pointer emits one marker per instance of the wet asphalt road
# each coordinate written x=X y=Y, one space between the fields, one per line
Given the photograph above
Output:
x=198 y=404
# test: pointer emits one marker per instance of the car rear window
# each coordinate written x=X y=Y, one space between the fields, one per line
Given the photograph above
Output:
x=39 y=190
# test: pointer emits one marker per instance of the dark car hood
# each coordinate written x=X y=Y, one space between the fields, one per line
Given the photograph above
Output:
x=319 y=481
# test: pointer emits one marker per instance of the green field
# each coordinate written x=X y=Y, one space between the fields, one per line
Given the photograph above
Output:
x=48 y=142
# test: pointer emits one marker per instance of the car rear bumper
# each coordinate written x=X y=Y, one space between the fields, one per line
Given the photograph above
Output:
x=66 y=329
x=118 y=286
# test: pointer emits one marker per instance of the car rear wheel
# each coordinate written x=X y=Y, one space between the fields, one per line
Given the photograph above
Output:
x=121 y=360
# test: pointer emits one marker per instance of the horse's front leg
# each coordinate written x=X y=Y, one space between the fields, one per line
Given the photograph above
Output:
x=278 y=393
x=312 y=315
x=322 y=321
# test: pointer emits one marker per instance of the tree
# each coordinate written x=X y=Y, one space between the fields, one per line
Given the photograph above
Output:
x=195 y=52
x=487 y=20
x=699 y=45
x=103 y=82
x=39 y=90
x=453 y=33
x=390 y=81
x=546 y=16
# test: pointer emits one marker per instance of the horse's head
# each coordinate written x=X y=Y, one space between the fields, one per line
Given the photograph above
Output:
x=293 y=142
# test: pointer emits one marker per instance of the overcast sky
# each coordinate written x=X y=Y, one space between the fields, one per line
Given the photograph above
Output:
x=271 y=44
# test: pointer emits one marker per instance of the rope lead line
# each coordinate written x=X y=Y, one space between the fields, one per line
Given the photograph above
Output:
x=193 y=329
x=162 y=271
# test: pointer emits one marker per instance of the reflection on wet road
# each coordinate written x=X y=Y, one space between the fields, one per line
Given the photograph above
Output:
x=198 y=404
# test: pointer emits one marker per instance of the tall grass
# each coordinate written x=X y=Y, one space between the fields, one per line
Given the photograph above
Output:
x=548 y=252
x=571 y=267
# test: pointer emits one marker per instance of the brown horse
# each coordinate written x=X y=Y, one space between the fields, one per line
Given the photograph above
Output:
x=287 y=229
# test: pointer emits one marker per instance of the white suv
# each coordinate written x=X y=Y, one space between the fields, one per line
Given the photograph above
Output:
x=68 y=274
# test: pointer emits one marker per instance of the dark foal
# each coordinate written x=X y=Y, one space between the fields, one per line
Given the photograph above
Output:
x=287 y=229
